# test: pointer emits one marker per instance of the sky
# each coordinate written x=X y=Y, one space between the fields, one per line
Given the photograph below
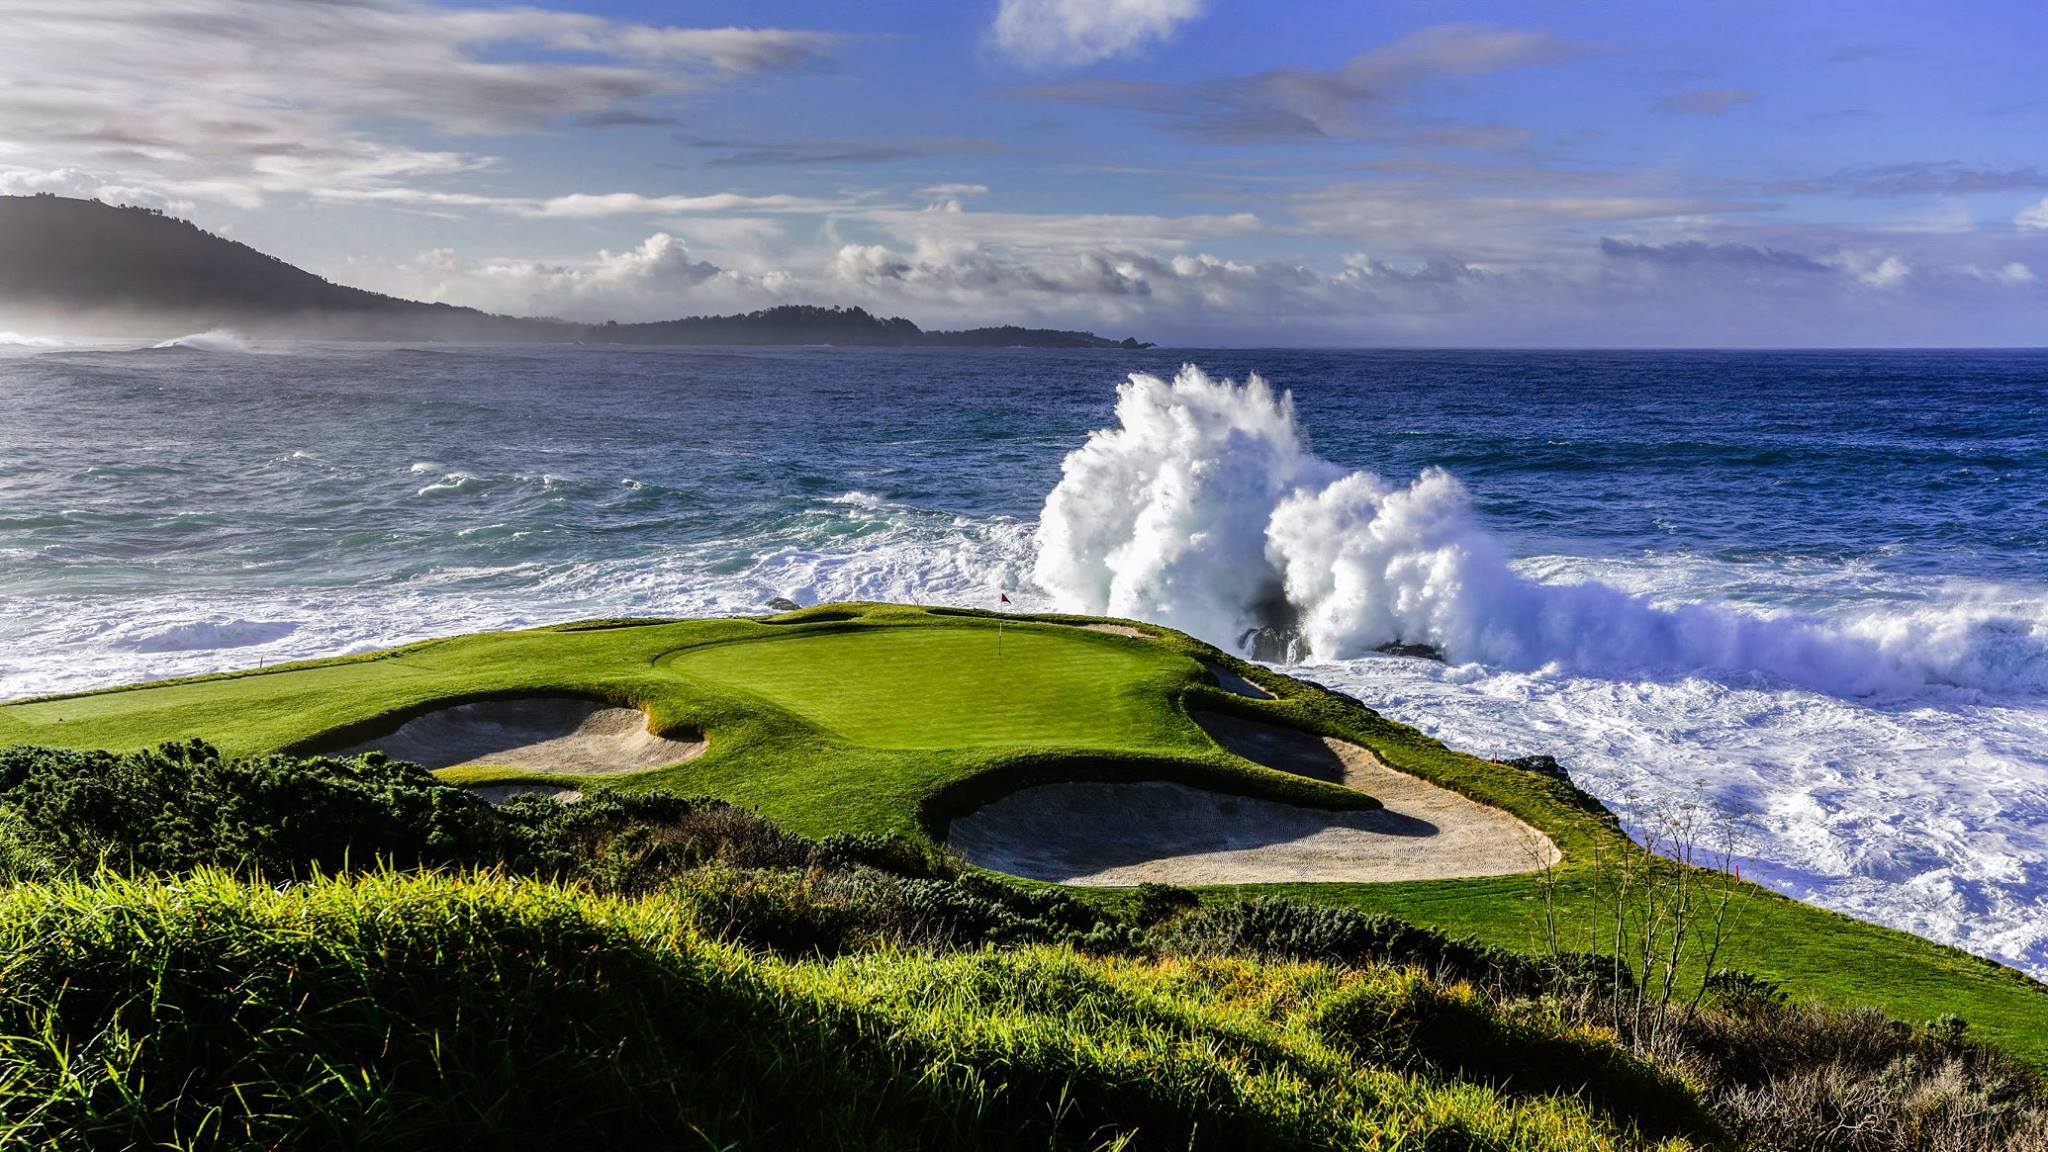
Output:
x=1193 y=172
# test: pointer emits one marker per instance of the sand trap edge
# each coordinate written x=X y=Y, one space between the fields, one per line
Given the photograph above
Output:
x=1231 y=682
x=1117 y=833
x=535 y=732
x=1121 y=834
x=1116 y=630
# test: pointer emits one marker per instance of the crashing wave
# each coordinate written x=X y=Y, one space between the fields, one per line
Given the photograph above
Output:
x=218 y=340
x=208 y=635
x=1205 y=509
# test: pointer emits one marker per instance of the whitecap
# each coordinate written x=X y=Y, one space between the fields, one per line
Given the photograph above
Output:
x=449 y=482
x=217 y=340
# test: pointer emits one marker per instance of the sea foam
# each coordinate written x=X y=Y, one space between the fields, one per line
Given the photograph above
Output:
x=18 y=340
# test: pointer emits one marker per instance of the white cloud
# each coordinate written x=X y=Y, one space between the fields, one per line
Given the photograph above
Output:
x=1889 y=273
x=2035 y=218
x=1071 y=33
x=589 y=205
x=2011 y=274
x=586 y=206
x=245 y=98
x=661 y=278
x=1050 y=232
x=1365 y=98
x=1447 y=218
x=1157 y=278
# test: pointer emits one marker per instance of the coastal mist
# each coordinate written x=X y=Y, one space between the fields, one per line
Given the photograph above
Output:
x=1809 y=586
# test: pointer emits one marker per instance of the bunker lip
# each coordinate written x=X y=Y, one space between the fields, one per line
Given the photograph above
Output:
x=540 y=733
x=1230 y=681
x=1116 y=630
x=1118 y=834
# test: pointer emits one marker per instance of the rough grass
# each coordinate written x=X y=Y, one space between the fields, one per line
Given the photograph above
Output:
x=644 y=969
x=432 y=1011
x=906 y=715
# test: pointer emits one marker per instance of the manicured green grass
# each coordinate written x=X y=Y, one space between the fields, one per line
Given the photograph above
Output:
x=964 y=686
x=901 y=707
x=871 y=718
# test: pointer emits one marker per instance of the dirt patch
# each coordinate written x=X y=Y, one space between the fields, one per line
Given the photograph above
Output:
x=541 y=733
x=1232 y=682
x=1117 y=834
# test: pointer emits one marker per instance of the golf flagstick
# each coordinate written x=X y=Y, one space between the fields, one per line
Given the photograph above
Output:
x=1000 y=621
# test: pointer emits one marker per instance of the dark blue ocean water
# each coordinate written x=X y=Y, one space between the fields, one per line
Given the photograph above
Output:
x=177 y=510
x=1931 y=463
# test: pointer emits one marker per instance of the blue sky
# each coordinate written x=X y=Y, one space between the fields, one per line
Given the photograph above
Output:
x=1189 y=171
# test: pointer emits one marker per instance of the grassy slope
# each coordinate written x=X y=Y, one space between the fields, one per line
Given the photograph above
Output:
x=342 y=1012
x=867 y=719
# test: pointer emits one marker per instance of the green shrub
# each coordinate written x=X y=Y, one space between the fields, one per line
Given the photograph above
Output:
x=1157 y=903
x=1276 y=928
x=889 y=853
x=184 y=805
x=634 y=842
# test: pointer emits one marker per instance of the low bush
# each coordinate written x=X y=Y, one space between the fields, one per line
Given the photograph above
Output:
x=185 y=805
x=1277 y=928
x=1158 y=903
x=1808 y=1079
x=1455 y=1030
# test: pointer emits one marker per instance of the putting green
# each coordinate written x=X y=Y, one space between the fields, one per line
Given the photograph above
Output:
x=848 y=718
x=961 y=687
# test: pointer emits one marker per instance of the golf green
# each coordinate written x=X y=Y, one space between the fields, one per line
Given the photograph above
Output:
x=960 y=687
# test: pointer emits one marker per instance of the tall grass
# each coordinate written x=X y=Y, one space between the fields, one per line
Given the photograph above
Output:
x=180 y=968
x=433 y=1011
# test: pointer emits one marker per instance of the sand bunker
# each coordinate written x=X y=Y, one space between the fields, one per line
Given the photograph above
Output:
x=541 y=733
x=1117 y=630
x=1103 y=834
x=1232 y=682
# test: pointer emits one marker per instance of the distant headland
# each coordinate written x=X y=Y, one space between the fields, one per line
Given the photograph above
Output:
x=69 y=261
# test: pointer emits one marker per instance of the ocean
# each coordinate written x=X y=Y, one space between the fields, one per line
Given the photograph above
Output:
x=1811 y=587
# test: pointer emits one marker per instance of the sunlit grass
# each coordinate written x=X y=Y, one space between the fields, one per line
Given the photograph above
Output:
x=433 y=1011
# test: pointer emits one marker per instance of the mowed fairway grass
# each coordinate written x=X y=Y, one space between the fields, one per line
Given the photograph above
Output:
x=863 y=718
